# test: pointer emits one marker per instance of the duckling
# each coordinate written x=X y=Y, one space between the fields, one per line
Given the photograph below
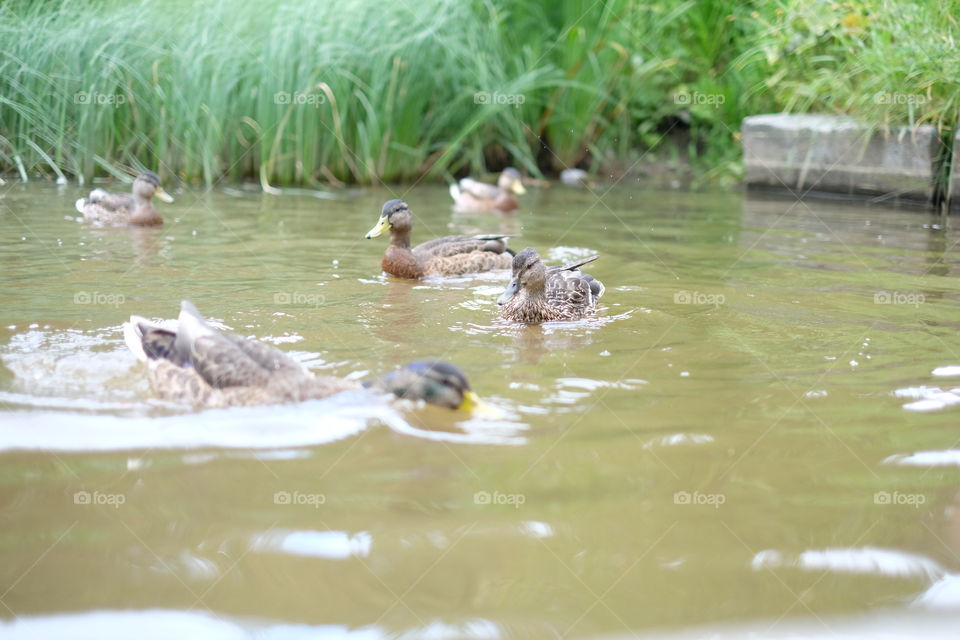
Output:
x=190 y=362
x=447 y=256
x=538 y=293
x=121 y=209
x=470 y=196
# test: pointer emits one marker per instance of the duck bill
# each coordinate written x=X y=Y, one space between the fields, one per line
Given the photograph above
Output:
x=163 y=195
x=517 y=188
x=509 y=292
x=382 y=225
x=473 y=404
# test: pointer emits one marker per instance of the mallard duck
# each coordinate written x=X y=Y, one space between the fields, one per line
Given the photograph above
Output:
x=190 y=362
x=447 y=256
x=472 y=196
x=538 y=293
x=121 y=209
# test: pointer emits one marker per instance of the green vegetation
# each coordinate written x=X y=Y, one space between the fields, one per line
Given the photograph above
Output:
x=366 y=91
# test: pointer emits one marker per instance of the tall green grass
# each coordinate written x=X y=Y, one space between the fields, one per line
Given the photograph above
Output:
x=363 y=91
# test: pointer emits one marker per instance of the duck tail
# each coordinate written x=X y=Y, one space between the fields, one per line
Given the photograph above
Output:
x=454 y=191
x=133 y=337
x=596 y=287
x=80 y=204
x=149 y=340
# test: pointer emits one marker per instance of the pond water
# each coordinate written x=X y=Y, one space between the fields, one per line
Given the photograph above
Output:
x=757 y=430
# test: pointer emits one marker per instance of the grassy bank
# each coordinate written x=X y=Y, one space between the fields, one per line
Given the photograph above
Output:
x=366 y=91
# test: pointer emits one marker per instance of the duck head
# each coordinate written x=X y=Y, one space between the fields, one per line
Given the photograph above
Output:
x=511 y=180
x=147 y=185
x=529 y=274
x=432 y=381
x=395 y=215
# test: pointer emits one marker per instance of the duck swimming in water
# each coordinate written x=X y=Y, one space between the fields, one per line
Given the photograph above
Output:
x=538 y=293
x=122 y=209
x=447 y=256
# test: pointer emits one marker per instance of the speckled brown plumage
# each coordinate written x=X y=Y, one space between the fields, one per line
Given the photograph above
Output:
x=540 y=294
x=448 y=256
x=189 y=362
x=200 y=366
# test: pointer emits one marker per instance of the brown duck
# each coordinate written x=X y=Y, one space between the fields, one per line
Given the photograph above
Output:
x=121 y=209
x=538 y=293
x=190 y=362
x=448 y=256
x=471 y=196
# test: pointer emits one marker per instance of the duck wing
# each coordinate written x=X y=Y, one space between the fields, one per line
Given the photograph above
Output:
x=227 y=360
x=455 y=245
x=479 y=190
x=569 y=291
x=112 y=201
x=190 y=362
x=573 y=270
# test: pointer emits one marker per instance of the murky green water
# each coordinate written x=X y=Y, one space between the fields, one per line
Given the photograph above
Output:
x=731 y=442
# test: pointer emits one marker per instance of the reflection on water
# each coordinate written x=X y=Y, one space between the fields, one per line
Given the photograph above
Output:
x=764 y=408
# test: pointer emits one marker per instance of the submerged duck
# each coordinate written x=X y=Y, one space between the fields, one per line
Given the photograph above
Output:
x=538 y=293
x=447 y=256
x=472 y=196
x=190 y=362
x=576 y=178
x=121 y=209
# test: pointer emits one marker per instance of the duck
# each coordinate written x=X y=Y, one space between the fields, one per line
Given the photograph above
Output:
x=471 y=196
x=122 y=209
x=538 y=293
x=191 y=362
x=447 y=256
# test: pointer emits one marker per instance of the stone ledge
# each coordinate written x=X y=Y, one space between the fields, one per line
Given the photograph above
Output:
x=799 y=153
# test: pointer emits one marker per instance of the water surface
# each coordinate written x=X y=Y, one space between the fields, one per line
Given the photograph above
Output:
x=758 y=429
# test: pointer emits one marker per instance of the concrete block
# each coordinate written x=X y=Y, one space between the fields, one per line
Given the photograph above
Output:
x=836 y=154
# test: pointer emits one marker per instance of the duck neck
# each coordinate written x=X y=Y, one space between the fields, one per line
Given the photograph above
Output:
x=400 y=238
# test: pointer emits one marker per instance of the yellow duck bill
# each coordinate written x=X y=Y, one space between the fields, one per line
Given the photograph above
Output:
x=473 y=404
x=163 y=195
x=382 y=225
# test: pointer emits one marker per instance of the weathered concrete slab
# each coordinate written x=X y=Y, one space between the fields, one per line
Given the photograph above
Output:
x=839 y=155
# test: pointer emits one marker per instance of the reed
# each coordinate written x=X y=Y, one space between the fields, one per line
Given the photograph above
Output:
x=365 y=91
